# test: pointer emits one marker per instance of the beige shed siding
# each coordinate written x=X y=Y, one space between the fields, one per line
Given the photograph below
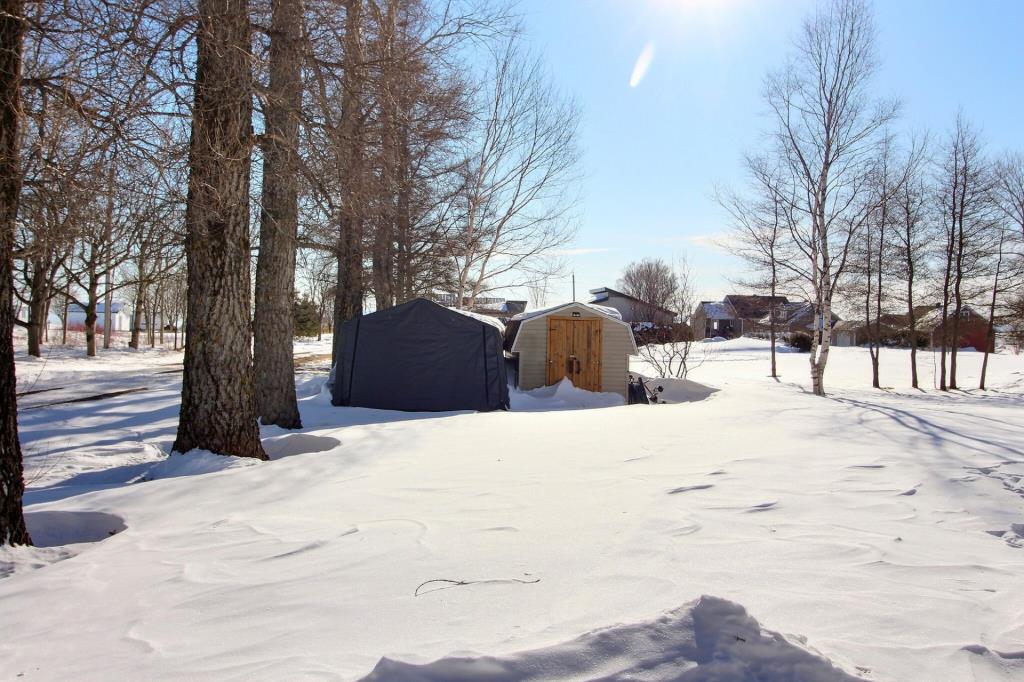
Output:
x=532 y=346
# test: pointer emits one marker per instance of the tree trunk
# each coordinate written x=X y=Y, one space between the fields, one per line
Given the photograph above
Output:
x=990 y=332
x=108 y=314
x=348 y=297
x=771 y=316
x=140 y=303
x=91 y=303
x=279 y=218
x=64 y=323
x=36 y=309
x=12 y=480
x=218 y=402
x=946 y=280
x=911 y=318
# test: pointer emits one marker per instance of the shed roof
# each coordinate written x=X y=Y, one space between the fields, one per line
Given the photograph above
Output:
x=611 y=314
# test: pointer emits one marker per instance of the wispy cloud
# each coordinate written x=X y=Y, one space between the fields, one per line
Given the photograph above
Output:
x=715 y=242
x=643 y=63
x=580 y=251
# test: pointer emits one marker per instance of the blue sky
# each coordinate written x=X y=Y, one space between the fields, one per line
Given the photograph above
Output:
x=653 y=153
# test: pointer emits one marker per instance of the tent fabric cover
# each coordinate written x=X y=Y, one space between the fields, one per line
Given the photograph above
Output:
x=420 y=357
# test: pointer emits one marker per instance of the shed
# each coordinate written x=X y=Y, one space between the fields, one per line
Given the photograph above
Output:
x=420 y=357
x=588 y=344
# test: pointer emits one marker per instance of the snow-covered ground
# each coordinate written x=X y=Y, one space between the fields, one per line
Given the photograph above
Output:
x=881 y=532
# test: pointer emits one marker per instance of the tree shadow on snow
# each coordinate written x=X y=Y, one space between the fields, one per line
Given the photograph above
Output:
x=54 y=528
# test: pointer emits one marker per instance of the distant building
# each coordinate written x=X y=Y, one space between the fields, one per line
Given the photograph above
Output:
x=632 y=309
x=121 y=320
x=893 y=329
x=972 y=328
x=734 y=316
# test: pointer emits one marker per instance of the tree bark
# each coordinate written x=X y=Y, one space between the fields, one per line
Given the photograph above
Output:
x=12 y=480
x=348 y=297
x=274 y=328
x=218 y=402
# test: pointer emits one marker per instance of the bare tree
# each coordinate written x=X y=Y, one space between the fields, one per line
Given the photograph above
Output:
x=516 y=193
x=964 y=189
x=218 y=405
x=655 y=283
x=825 y=128
x=1010 y=189
x=912 y=235
x=759 y=235
x=12 y=482
x=276 y=401
x=669 y=350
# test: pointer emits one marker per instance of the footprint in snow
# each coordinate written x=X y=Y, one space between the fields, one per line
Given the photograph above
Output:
x=688 y=488
x=764 y=506
x=866 y=466
x=911 y=491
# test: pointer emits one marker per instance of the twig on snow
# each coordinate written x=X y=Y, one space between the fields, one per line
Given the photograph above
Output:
x=458 y=583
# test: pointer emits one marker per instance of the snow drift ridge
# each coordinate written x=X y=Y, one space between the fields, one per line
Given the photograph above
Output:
x=707 y=639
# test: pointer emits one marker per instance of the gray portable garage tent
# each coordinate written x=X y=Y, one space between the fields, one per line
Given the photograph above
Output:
x=420 y=357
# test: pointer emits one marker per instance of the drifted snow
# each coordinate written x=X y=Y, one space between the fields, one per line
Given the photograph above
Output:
x=709 y=639
x=878 y=530
x=562 y=396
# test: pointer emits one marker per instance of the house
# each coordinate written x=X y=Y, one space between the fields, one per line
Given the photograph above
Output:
x=120 y=319
x=632 y=310
x=589 y=345
x=892 y=328
x=421 y=357
x=972 y=327
x=733 y=316
x=793 y=317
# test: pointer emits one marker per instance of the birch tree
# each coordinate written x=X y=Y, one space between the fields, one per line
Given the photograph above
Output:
x=825 y=127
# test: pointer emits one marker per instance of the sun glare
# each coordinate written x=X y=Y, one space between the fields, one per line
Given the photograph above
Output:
x=643 y=63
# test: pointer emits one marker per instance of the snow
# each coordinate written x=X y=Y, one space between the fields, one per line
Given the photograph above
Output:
x=708 y=639
x=601 y=309
x=873 y=534
x=486 y=319
x=718 y=310
x=562 y=396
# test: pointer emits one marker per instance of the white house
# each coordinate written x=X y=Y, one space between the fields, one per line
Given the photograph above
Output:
x=120 y=319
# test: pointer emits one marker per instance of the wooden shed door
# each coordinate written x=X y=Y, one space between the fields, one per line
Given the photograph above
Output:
x=574 y=351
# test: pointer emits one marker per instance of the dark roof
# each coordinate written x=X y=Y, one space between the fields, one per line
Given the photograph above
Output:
x=753 y=307
x=608 y=291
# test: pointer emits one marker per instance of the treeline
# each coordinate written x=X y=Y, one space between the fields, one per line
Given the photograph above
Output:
x=205 y=159
x=844 y=209
x=425 y=148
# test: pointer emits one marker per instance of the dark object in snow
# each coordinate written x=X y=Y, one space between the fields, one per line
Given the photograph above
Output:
x=641 y=393
x=420 y=357
x=800 y=341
